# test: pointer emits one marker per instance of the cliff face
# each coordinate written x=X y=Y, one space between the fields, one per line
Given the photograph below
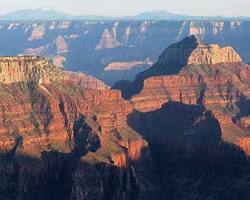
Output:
x=188 y=52
x=30 y=68
x=66 y=135
x=61 y=127
x=93 y=46
x=213 y=54
x=193 y=107
x=189 y=151
x=213 y=77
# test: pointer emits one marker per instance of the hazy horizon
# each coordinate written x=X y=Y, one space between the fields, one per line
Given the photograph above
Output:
x=133 y=7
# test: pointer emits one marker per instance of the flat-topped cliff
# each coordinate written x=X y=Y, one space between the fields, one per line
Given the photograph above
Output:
x=37 y=69
x=28 y=68
x=192 y=50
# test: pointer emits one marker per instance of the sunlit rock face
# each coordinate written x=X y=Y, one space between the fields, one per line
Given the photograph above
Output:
x=213 y=54
x=60 y=126
x=115 y=50
x=28 y=68
x=191 y=51
x=207 y=75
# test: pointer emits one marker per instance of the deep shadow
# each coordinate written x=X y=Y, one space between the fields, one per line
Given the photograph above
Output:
x=192 y=159
x=172 y=60
x=65 y=176
x=85 y=139
x=62 y=166
x=243 y=109
x=52 y=175
x=62 y=176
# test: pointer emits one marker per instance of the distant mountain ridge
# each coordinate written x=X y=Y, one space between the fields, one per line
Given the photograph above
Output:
x=47 y=14
x=36 y=14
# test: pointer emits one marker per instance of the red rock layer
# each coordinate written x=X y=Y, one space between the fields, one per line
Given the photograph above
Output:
x=134 y=150
x=213 y=77
x=40 y=115
x=244 y=143
x=53 y=122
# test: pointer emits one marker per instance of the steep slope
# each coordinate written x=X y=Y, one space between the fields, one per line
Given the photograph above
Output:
x=191 y=157
x=193 y=108
x=189 y=51
x=63 y=137
x=207 y=75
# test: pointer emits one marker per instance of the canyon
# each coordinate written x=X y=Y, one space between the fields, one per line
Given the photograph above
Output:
x=191 y=82
x=195 y=73
x=114 y=50
x=67 y=130
x=180 y=130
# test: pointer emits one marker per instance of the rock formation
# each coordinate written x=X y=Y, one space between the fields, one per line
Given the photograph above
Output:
x=191 y=157
x=205 y=75
x=27 y=69
x=193 y=108
x=189 y=51
x=183 y=134
x=37 y=33
x=108 y=40
x=61 y=45
x=64 y=127
x=89 y=46
x=123 y=66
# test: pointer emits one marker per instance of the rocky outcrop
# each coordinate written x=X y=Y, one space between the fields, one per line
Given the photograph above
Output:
x=37 y=33
x=216 y=92
x=244 y=143
x=210 y=76
x=213 y=54
x=28 y=68
x=87 y=81
x=189 y=51
x=120 y=66
x=59 y=60
x=56 y=125
x=48 y=95
x=134 y=152
x=108 y=40
x=61 y=45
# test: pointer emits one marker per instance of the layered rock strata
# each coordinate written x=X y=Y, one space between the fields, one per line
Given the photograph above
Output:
x=207 y=75
x=58 y=125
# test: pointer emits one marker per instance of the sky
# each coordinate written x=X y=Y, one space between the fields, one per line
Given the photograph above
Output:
x=132 y=7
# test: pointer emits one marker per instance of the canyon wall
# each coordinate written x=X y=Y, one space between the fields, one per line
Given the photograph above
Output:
x=193 y=108
x=184 y=134
x=118 y=50
x=65 y=135
x=195 y=73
